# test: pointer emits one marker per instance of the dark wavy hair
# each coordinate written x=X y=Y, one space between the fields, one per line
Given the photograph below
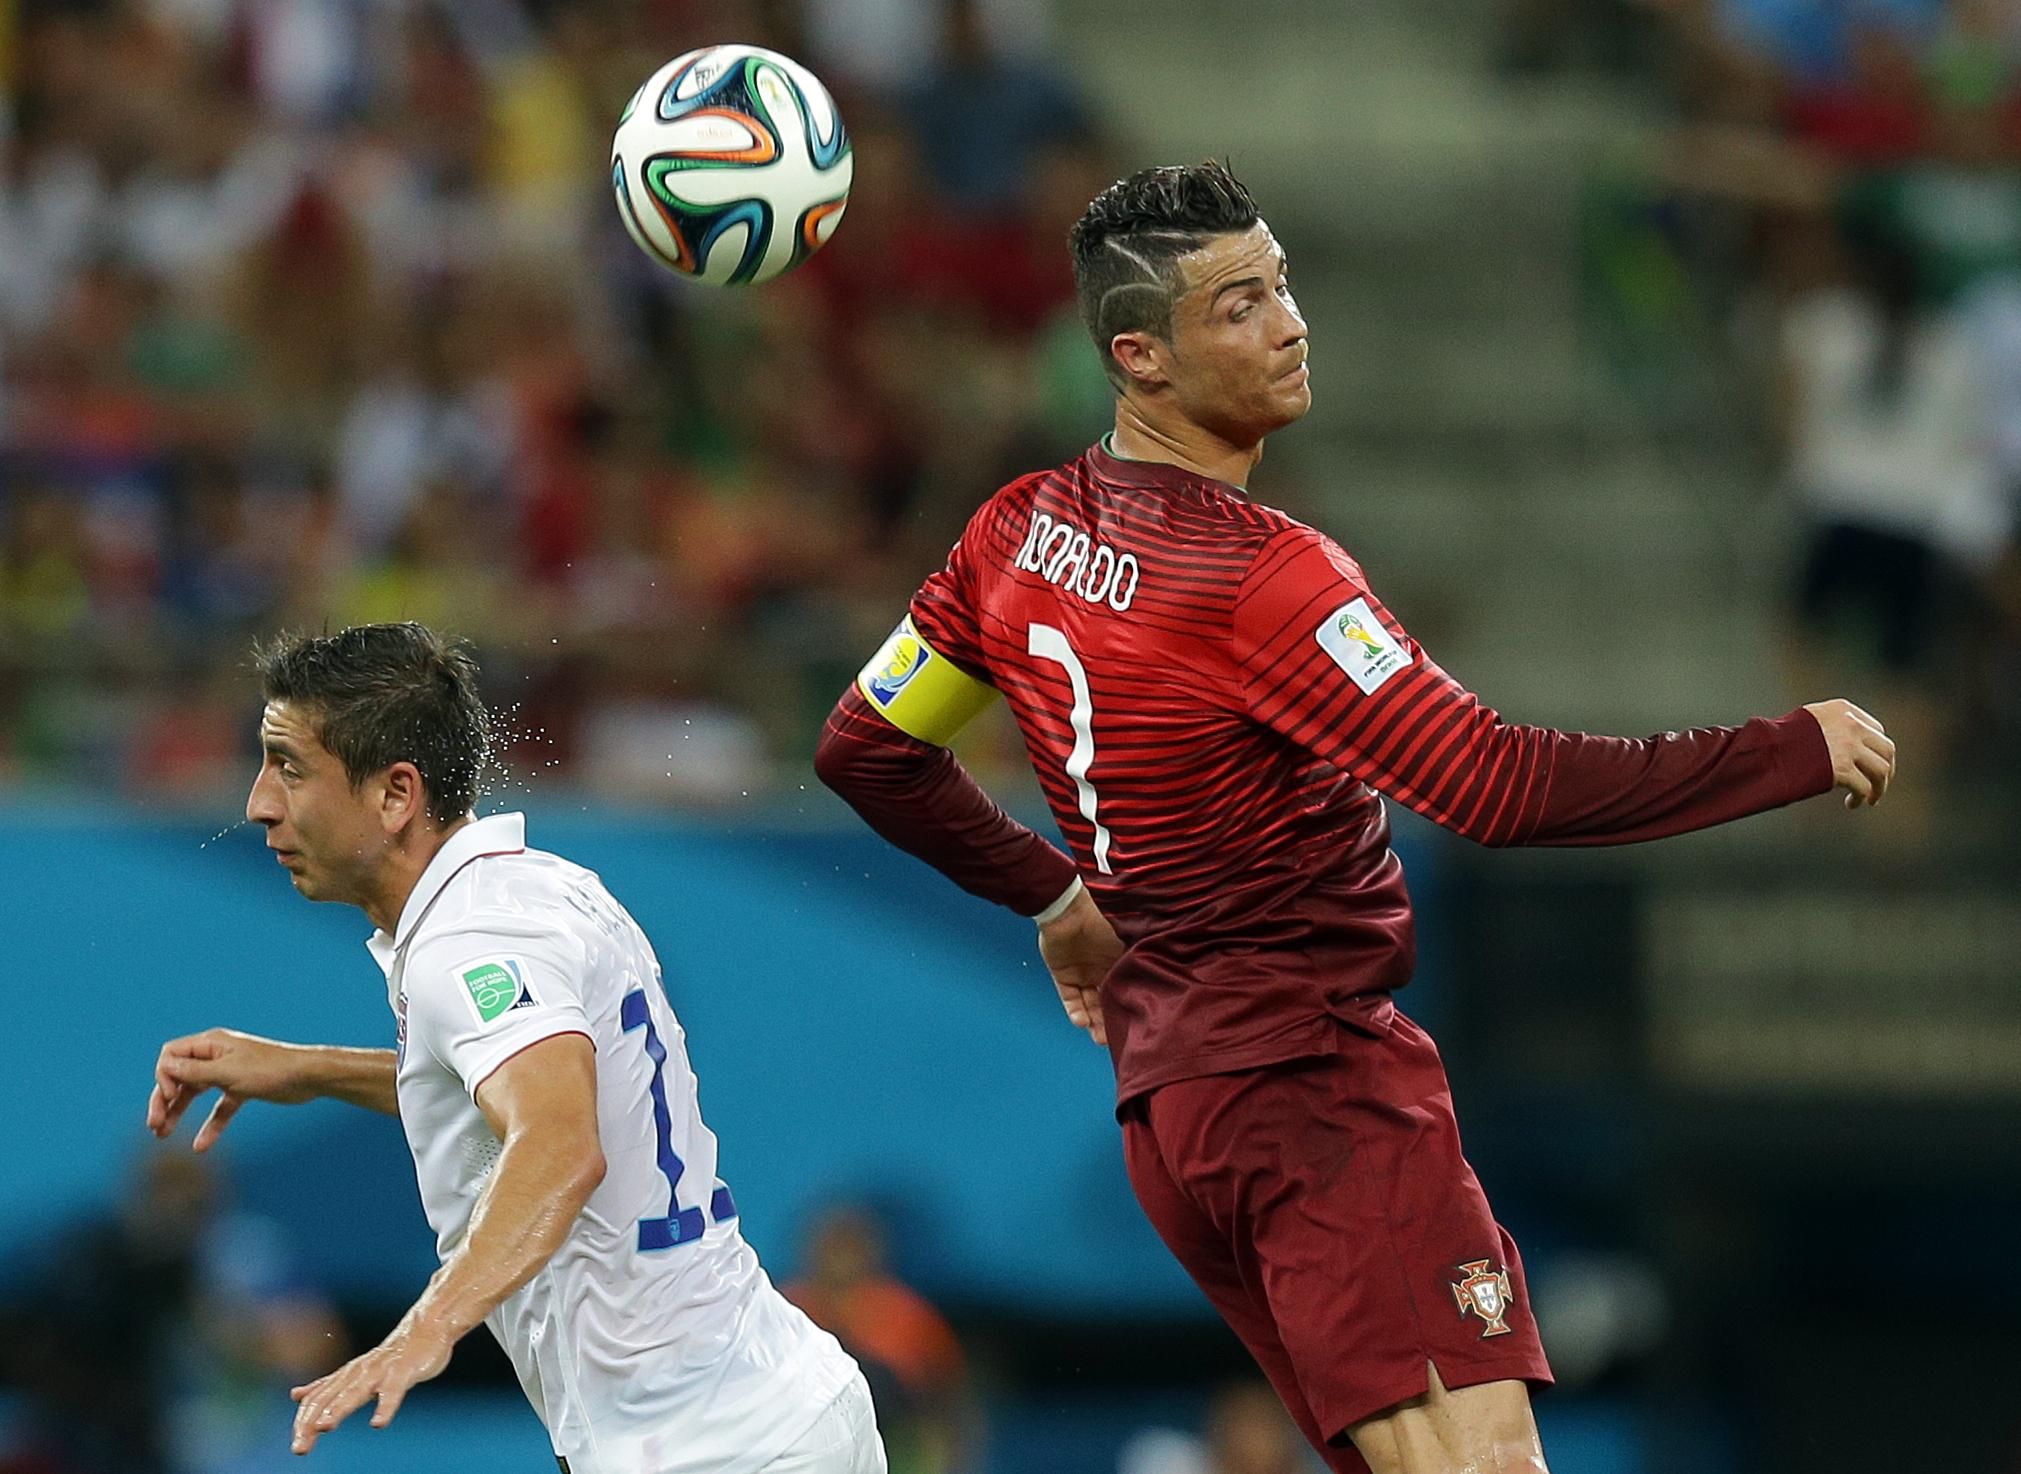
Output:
x=1127 y=246
x=380 y=694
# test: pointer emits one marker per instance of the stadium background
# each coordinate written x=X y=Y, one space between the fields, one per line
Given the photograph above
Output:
x=1667 y=371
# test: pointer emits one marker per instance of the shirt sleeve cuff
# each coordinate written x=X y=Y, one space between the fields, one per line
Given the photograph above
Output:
x=1802 y=758
x=478 y=1065
x=1059 y=908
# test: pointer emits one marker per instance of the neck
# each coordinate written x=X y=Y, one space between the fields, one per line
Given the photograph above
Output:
x=1143 y=437
x=402 y=871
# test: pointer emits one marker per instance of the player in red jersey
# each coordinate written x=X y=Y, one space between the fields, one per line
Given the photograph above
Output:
x=1212 y=697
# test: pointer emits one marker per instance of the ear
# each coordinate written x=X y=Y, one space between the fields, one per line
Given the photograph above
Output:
x=1144 y=358
x=402 y=798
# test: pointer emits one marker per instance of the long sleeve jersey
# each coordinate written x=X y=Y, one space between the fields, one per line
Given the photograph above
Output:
x=1214 y=700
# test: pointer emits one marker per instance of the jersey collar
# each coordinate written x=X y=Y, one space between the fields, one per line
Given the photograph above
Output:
x=1159 y=475
x=497 y=834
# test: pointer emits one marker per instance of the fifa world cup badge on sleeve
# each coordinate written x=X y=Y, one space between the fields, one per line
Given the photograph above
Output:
x=1485 y=1292
x=920 y=691
x=1361 y=645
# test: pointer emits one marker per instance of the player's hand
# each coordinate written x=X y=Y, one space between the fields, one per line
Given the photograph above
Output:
x=1863 y=756
x=243 y=1066
x=1079 y=947
x=415 y=1352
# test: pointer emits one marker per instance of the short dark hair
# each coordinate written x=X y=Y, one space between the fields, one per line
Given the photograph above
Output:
x=381 y=694
x=1127 y=247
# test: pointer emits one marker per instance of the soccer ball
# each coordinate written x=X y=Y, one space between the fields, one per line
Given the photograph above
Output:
x=731 y=165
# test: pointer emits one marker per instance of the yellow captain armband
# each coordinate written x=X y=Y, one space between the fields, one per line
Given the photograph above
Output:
x=920 y=691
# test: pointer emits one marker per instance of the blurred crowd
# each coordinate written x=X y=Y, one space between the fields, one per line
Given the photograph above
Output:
x=318 y=311
x=1839 y=215
x=160 y=1337
x=915 y=1366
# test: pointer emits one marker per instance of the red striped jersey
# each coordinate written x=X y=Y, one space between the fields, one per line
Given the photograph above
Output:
x=1212 y=697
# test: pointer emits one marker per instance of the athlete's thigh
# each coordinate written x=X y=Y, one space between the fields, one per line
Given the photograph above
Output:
x=1205 y=1253
x=1483 y=1429
x=843 y=1440
x=1357 y=1224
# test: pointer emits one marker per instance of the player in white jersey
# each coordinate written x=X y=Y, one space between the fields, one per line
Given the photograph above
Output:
x=543 y=1084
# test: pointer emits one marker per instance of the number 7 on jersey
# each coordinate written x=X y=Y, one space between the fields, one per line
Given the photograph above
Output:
x=1048 y=643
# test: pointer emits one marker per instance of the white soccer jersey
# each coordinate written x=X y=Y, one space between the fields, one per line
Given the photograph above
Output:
x=652 y=1342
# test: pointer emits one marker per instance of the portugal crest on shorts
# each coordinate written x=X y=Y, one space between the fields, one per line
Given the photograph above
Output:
x=1485 y=1292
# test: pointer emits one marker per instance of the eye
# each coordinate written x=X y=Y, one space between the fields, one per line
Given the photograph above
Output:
x=1239 y=313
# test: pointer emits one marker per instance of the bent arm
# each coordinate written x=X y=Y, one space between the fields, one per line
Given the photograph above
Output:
x=542 y=1105
x=920 y=798
x=1329 y=668
x=246 y=1067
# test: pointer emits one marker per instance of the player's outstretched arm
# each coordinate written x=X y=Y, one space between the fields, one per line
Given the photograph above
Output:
x=1327 y=667
x=542 y=1104
x=246 y=1067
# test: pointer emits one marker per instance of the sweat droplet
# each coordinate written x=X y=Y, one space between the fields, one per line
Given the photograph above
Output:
x=222 y=833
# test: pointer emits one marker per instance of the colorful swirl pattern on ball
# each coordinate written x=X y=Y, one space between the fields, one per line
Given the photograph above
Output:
x=735 y=97
x=736 y=91
x=808 y=239
x=640 y=236
x=684 y=218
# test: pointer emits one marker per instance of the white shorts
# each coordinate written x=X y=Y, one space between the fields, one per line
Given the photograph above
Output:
x=843 y=1439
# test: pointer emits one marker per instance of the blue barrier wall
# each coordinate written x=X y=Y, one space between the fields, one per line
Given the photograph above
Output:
x=861 y=1030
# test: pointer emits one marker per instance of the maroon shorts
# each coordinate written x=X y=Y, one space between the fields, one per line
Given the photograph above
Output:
x=1325 y=1209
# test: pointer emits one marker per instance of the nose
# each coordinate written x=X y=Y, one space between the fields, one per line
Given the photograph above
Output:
x=263 y=805
x=1292 y=322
